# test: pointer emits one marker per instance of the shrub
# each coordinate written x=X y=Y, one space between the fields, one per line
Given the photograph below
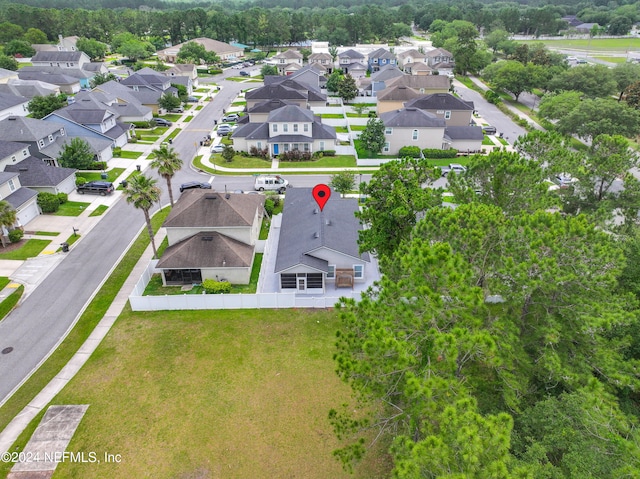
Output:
x=435 y=153
x=48 y=202
x=262 y=153
x=62 y=198
x=211 y=286
x=15 y=235
x=98 y=165
x=409 y=151
x=269 y=205
x=80 y=180
x=295 y=155
x=117 y=152
x=372 y=114
x=133 y=139
x=492 y=97
x=328 y=152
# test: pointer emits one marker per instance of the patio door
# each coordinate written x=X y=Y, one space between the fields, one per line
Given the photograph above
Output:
x=302 y=283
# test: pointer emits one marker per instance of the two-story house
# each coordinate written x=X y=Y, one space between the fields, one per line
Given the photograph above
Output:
x=211 y=236
x=75 y=64
x=93 y=115
x=224 y=51
x=441 y=60
x=324 y=60
x=41 y=136
x=288 y=128
x=289 y=89
x=412 y=127
x=288 y=62
x=147 y=86
x=23 y=200
x=185 y=74
x=353 y=63
x=380 y=58
x=453 y=110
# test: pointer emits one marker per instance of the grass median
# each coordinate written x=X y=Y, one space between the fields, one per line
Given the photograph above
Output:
x=85 y=325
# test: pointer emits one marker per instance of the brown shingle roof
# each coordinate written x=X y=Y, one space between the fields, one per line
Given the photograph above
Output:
x=207 y=250
x=204 y=208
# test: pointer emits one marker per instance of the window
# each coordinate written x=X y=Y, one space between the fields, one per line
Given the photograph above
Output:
x=314 y=280
x=275 y=128
x=295 y=127
x=414 y=135
x=12 y=185
x=285 y=147
x=25 y=153
x=285 y=127
x=259 y=145
x=388 y=130
x=358 y=271
x=332 y=271
x=288 y=281
x=13 y=158
x=61 y=131
x=386 y=147
x=295 y=147
x=51 y=138
x=447 y=115
x=306 y=146
x=306 y=127
x=322 y=146
x=41 y=143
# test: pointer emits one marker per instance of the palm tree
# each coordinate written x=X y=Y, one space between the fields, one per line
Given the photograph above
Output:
x=142 y=192
x=7 y=218
x=167 y=162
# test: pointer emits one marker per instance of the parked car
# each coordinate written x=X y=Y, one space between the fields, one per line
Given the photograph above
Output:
x=224 y=131
x=192 y=99
x=161 y=122
x=455 y=167
x=194 y=184
x=244 y=73
x=103 y=188
x=231 y=117
x=489 y=130
x=217 y=148
x=179 y=109
x=270 y=183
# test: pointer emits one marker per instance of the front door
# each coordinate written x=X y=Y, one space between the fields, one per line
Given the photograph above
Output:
x=275 y=148
x=302 y=284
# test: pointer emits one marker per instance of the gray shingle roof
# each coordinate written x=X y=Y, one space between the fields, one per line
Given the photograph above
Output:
x=278 y=91
x=57 y=56
x=8 y=148
x=398 y=93
x=205 y=208
x=53 y=78
x=9 y=100
x=77 y=73
x=20 y=196
x=252 y=131
x=464 y=132
x=421 y=81
x=207 y=250
x=382 y=53
x=96 y=145
x=440 y=101
x=19 y=128
x=289 y=55
x=291 y=113
x=411 y=118
x=350 y=54
x=35 y=172
x=28 y=88
x=387 y=72
x=304 y=229
x=268 y=105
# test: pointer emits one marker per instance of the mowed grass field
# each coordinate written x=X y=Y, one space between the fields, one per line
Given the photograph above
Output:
x=619 y=45
x=213 y=394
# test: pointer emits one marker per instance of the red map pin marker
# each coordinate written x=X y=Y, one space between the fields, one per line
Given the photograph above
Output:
x=321 y=194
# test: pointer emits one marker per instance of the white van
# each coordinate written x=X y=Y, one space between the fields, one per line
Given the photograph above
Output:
x=270 y=183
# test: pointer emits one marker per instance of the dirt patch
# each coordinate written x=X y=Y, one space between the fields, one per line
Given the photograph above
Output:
x=12 y=246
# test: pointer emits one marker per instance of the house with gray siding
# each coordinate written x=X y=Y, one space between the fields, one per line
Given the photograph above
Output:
x=39 y=135
x=318 y=250
x=412 y=127
x=453 y=110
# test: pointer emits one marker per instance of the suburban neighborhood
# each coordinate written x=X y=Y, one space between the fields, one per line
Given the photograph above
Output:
x=269 y=240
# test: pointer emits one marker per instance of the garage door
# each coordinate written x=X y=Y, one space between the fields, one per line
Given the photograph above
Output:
x=27 y=212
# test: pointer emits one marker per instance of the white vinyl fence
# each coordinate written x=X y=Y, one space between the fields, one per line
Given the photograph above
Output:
x=224 y=301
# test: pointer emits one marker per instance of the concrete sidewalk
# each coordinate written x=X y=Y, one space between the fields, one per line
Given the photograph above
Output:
x=22 y=420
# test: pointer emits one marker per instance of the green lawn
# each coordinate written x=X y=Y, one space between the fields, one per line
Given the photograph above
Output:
x=357 y=127
x=332 y=115
x=612 y=59
x=112 y=174
x=592 y=44
x=240 y=161
x=363 y=153
x=47 y=233
x=239 y=103
x=130 y=155
x=87 y=322
x=71 y=208
x=487 y=141
x=338 y=161
x=99 y=210
x=461 y=160
x=368 y=105
x=341 y=129
x=236 y=393
x=70 y=240
x=7 y=305
x=4 y=281
x=355 y=115
x=29 y=249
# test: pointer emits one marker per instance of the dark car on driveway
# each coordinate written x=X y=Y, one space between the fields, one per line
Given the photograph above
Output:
x=96 y=187
x=162 y=122
x=489 y=130
x=194 y=184
x=244 y=73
